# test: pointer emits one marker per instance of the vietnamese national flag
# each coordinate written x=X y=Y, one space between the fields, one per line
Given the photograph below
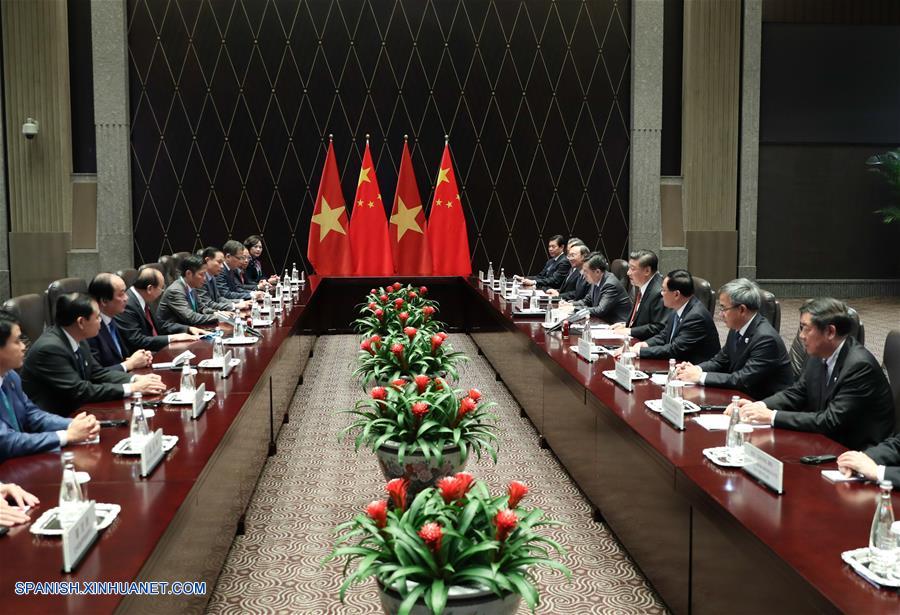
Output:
x=368 y=225
x=329 y=244
x=409 y=244
x=447 y=225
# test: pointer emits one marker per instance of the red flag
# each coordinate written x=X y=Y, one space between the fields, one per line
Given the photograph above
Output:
x=447 y=224
x=329 y=245
x=368 y=225
x=409 y=244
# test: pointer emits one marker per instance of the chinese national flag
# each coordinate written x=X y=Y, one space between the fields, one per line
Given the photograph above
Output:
x=329 y=244
x=409 y=244
x=447 y=225
x=368 y=225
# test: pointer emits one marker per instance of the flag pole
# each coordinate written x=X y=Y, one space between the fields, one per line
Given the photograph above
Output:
x=446 y=139
x=330 y=138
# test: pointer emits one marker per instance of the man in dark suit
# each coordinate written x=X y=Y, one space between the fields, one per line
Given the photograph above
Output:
x=138 y=325
x=575 y=286
x=108 y=347
x=649 y=314
x=754 y=359
x=880 y=462
x=842 y=391
x=61 y=374
x=606 y=297
x=555 y=269
x=690 y=333
x=229 y=281
x=25 y=429
x=208 y=293
x=179 y=302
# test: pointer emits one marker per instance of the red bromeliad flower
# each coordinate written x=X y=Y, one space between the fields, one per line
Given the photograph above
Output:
x=378 y=393
x=517 y=490
x=399 y=383
x=436 y=341
x=383 y=298
x=438 y=384
x=375 y=339
x=423 y=290
x=373 y=306
x=412 y=295
x=372 y=291
x=466 y=479
x=379 y=313
x=396 y=488
x=422 y=383
x=466 y=405
x=475 y=394
x=366 y=345
x=397 y=350
x=443 y=335
x=398 y=303
x=420 y=409
x=505 y=521
x=410 y=332
x=377 y=512
x=454 y=488
x=432 y=534
x=428 y=311
x=403 y=316
x=397 y=286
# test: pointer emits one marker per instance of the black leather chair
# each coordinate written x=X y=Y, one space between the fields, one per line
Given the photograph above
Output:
x=128 y=275
x=771 y=309
x=798 y=354
x=62 y=287
x=619 y=268
x=166 y=263
x=703 y=292
x=891 y=362
x=31 y=311
x=175 y=263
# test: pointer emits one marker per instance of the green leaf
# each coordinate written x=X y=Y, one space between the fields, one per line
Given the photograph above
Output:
x=408 y=603
x=437 y=596
x=524 y=589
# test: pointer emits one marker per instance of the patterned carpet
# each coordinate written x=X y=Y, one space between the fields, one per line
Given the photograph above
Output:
x=316 y=482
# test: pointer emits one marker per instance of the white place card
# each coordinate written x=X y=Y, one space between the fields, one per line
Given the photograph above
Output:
x=199 y=405
x=624 y=376
x=584 y=349
x=764 y=468
x=226 y=364
x=673 y=411
x=78 y=538
x=152 y=453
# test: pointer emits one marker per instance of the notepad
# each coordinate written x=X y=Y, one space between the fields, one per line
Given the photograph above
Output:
x=835 y=476
x=719 y=422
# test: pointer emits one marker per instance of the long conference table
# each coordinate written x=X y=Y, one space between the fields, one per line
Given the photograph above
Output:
x=709 y=539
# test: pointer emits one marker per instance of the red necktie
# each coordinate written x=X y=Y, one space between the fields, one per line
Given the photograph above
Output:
x=637 y=302
x=150 y=320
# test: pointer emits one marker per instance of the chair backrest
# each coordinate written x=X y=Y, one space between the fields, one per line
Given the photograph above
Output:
x=62 y=287
x=166 y=263
x=175 y=263
x=703 y=292
x=619 y=268
x=891 y=362
x=31 y=311
x=128 y=276
x=798 y=353
x=771 y=309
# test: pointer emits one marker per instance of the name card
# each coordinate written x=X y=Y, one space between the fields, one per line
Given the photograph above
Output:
x=199 y=404
x=226 y=364
x=584 y=349
x=151 y=453
x=481 y=277
x=764 y=468
x=673 y=411
x=78 y=537
x=187 y=355
x=624 y=374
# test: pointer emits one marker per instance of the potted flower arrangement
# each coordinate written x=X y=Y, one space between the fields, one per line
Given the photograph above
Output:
x=454 y=547
x=387 y=311
x=423 y=429
x=413 y=351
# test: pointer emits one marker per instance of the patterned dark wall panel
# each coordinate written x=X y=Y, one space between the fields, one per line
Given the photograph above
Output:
x=232 y=102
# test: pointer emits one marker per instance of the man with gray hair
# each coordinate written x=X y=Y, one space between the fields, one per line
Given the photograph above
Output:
x=575 y=286
x=753 y=359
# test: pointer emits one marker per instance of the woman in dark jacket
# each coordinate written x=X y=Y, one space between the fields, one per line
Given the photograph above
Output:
x=253 y=274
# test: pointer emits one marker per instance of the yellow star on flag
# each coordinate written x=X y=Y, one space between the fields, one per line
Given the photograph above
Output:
x=328 y=220
x=363 y=176
x=405 y=219
x=442 y=176
x=371 y=204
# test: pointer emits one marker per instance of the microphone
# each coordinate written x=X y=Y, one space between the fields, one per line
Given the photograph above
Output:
x=581 y=314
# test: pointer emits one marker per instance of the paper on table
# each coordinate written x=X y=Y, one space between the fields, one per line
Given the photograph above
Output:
x=719 y=422
x=835 y=476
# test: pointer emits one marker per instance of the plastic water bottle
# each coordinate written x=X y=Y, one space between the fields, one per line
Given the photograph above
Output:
x=238 y=328
x=267 y=303
x=502 y=281
x=733 y=438
x=285 y=280
x=187 y=382
x=295 y=275
x=71 y=499
x=671 y=376
x=255 y=314
x=490 y=273
x=278 y=292
x=218 y=348
x=139 y=429
x=881 y=540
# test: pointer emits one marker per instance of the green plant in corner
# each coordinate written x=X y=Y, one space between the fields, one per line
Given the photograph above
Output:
x=888 y=166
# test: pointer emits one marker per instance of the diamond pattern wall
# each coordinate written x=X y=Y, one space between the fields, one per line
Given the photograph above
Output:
x=232 y=102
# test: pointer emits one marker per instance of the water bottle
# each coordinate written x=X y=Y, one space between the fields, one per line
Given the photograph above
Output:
x=218 y=348
x=285 y=280
x=670 y=377
x=626 y=347
x=238 y=328
x=139 y=429
x=187 y=382
x=502 y=281
x=295 y=275
x=267 y=303
x=286 y=287
x=881 y=540
x=515 y=287
x=733 y=438
x=71 y=499
x=490 y=273
x=278 y=292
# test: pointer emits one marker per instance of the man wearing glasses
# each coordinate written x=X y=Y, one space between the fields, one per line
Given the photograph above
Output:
x=754 y=359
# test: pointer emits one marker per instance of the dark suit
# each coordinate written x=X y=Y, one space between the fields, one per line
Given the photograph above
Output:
x=651 y=314
x=230 y=286
x=607 y=299
x=887 y=454
x=696 y=338
x=553 y=273
x=208 y=296
x=574 y=287
x=253 y=273
x=856 y=409
x=36 y=429
x=104 y=348
x=135 y=329
x=53 y=380
x=179 y=303
x=756 y=362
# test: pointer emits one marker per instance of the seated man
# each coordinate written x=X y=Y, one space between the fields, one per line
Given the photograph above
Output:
x=648 y=317
x=606 y=297
x=228 y=281
x=14 y=515
x=575 y=286
x=138 y=325
x=25 y=429
x=61 y=374
x=179 y=301
x=879 y=462
x=208 y=294
x=842 y=391
x=555 y=269
x=690 y=333
x=108 y=348
x=754 y=359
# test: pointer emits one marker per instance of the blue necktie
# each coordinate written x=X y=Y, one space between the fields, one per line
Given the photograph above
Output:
x=190 y=295
x=11 y=415
x=114 y=335
x=675 y=325
x=80 y=363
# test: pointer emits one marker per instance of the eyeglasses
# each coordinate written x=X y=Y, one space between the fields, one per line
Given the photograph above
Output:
x=722 y=309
